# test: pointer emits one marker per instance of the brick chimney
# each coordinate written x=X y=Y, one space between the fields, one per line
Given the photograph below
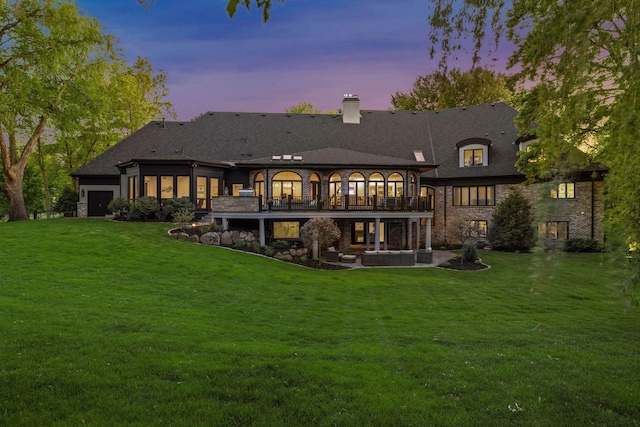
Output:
x=351 y=109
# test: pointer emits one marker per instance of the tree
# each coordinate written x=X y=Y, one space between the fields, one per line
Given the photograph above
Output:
x=46 y=49
x=454 y=88
x=306 y=108
x=321 y=232
x=118 y=104
x=582 y=59
x=512 y=224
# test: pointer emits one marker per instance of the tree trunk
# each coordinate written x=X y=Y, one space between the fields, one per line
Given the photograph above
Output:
x=12 y=188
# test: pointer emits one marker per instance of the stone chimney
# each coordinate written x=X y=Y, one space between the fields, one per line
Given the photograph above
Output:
x=351 y=109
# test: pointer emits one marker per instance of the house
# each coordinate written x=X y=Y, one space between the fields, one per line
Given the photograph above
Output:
x=388 y=178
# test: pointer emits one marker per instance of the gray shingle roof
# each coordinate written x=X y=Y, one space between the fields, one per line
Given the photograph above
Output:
x=387 y=137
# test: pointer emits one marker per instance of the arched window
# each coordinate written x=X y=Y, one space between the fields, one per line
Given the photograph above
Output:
x=258 y=184
x=376 y=185
x=356 y=189
x=395 y=185
x=314 y=189
x=335 y=190
x=285 y=184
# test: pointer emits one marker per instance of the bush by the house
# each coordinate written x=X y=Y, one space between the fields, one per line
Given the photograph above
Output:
x=582 y=245
x=175 y=205
x=118 y=206
x=146 y=207
x=67 y=200
x=511 y=226
x=470 y=253
x=325 y=230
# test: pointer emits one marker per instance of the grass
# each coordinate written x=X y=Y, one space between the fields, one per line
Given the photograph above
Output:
x=105 y=323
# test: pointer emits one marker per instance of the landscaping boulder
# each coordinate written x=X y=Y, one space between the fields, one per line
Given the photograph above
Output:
x=210 y=238
x=226 y=238
x=182 y=236
x=194 y=238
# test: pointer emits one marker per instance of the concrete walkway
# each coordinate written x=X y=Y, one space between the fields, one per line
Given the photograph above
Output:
x=438 y=258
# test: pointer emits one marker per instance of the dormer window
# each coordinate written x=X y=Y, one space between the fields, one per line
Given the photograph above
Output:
x=473 y=152
x=473 y=157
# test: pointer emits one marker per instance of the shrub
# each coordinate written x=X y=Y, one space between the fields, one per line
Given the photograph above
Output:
x=118 y=206
x=176 y=205
x=146 y=206
x=582 y=245
x=66 y=201
x=511 y=228
x=325 y=230
x=281 y=245
x=470 y=253
x=183 y=216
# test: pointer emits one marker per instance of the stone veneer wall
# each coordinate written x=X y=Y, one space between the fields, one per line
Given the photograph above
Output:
x=235 y=204
x=576 y=211
x=82 y=209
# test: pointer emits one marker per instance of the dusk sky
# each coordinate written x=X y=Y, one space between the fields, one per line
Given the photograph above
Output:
x=309 y=50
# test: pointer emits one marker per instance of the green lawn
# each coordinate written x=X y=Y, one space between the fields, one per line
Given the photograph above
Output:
x=107 y=324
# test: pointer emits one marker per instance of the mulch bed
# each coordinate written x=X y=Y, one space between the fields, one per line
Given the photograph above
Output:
x=461 y=264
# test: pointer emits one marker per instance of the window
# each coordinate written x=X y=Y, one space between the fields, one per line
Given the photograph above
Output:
x=476 y=228
x=335 y=190
x=286 y=230
x=395 y=185
x=258 y=184
x=166 y=187
x=356 y=189
x=286 y=184
x=482 y=195
x=376 y=185
x=133 y=188
x=201 y=192
x=183 y=187
x=553 y=230
x=314 y=190
x=565 y=190
x=151 y=186
x=429 y=195
x=473 y=157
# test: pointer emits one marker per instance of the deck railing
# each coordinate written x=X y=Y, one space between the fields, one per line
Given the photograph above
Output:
x=347 y=203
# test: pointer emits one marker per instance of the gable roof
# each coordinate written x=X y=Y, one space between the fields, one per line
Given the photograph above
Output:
x=381 y=138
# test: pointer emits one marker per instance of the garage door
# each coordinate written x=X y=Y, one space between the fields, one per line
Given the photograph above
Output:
x=97 y=202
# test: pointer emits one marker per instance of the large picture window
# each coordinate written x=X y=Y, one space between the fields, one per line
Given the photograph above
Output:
x=553 y=230
x=286 y=184
x=481 y=195
x=166 y=187
x=286 y=230
x=565 y=190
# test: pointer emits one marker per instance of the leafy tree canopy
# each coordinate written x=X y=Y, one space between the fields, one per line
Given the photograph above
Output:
x=307 y=108
x=454 y=88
